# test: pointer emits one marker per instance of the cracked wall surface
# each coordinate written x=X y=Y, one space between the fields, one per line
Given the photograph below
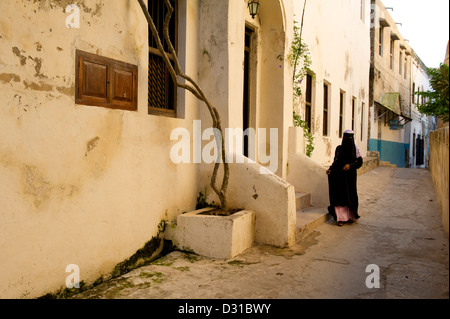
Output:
x=80 y=184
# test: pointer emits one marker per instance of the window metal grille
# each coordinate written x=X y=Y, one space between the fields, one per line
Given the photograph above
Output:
x=161 y=89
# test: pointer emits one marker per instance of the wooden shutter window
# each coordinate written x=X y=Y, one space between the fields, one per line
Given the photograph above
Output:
x=105 y=82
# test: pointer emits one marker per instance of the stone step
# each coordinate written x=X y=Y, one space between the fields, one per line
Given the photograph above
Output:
x=302 y=200
x=309 y=219
x=387 y=164
x=369 y=163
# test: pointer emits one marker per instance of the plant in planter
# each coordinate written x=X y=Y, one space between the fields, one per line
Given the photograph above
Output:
x=202 y=231
x=190 y=85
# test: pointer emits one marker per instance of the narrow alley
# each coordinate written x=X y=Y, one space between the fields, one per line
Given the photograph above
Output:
x=400 y=232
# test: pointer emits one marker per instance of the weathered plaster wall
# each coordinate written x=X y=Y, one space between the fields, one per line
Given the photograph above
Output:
x=214 y=57
x=222 y=70
x=80 y=184
x=221 y=74
x=421 y=124
x=388 y=80
x=307 y=175
x=270 y=197
x=338 y=40
x=439 y=166
x=275 y=75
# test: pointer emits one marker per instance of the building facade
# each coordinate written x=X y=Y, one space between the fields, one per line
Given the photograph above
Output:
x=82 y=184
x=90 y=124
x=418 y=130
x=99 y=148
x=336 y=88
x=390 y=88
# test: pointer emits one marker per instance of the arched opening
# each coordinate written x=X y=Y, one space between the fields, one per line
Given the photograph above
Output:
x=274 y=104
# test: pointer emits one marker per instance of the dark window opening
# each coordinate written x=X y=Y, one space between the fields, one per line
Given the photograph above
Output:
x=246 y=105
x=362 y=120
x=353 y=113
x=420 y=151
x=341 y=114
x=161 y=88
x=325 y=110
x=308 y=106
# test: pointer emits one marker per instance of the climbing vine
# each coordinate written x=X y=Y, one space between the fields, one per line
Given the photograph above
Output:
x=184 y=81
x=300 y=60
x=306 y=132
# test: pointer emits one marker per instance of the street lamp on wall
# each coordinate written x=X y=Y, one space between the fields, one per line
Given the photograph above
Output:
x=253 y=7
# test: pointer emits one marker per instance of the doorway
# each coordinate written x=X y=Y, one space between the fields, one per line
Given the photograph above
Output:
x=247 y=99
x=420 y=150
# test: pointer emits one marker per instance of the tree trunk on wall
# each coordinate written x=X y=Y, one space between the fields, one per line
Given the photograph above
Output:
x=190 y=85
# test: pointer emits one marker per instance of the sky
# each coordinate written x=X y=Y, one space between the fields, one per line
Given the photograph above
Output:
x=425 y=23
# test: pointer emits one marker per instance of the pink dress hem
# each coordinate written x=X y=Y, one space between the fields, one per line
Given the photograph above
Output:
x=344 y=214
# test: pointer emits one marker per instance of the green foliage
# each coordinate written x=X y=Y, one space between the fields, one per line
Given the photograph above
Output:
x=156 y=276
x=299 y=58
x=202 y=200
x=306 y=132
x=66 y=293
x=436 y=101
x=142 y=257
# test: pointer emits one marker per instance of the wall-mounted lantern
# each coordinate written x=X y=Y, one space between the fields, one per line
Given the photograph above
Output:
x=253 y=7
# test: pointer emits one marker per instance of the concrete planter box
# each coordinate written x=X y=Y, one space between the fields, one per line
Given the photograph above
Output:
x=221 y=237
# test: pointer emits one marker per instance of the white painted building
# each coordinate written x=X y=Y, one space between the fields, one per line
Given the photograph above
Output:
x=389 y=87
x=397 y=130
x=418 y=130
x=88 y=113
x=336 y=90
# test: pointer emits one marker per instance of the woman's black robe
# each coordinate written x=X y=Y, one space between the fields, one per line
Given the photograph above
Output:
x=343 y=184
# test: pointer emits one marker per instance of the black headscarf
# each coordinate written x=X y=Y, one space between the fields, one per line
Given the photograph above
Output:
x=348 y=149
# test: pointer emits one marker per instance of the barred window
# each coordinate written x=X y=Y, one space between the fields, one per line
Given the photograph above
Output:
x=161 y=89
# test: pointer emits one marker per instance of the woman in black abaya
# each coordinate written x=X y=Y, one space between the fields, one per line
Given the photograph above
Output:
x=342 y=181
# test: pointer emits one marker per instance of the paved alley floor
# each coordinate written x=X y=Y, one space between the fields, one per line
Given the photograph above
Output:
x=400 y=235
